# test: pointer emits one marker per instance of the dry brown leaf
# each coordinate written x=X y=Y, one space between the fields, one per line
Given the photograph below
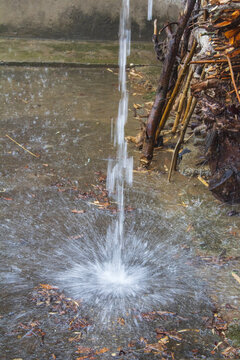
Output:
x=223 y=23
x=204 y=182
x=164 y=340
x=231 y=33
x=185 y=330
x=75 y=211
x=121 y=321
x=165 y=313
x=236 y=277
x=143 y=340
x=83 y=350
x=137 y=106
x=228 y=351
x=159 y=347
x=75 y=338
x=48 y=287
x=183 y=204
x=189 y=228
x=235 y=14
x=102 y=351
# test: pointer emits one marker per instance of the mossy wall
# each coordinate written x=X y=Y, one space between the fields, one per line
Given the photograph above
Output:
x=81 y=19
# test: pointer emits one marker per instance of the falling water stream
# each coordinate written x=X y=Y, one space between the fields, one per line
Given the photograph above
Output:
x=150 y=9
x=124 y=273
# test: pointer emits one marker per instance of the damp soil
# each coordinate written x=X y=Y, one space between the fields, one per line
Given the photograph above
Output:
x=55 y=201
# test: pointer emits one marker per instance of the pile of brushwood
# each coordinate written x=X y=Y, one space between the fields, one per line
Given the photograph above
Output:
x=201 y=70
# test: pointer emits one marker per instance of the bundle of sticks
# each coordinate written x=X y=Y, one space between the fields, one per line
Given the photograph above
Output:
x=218 y=95
x=205 y=48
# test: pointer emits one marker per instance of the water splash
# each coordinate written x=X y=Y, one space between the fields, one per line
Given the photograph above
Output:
x=146 y=276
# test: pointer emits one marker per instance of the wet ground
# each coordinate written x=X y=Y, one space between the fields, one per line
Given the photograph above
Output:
x=54 y=204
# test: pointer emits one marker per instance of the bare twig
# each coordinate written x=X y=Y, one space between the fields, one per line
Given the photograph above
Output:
x=9 y=137
x=232 y=76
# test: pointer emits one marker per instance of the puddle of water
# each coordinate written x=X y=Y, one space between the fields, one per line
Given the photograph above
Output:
x=65 y=116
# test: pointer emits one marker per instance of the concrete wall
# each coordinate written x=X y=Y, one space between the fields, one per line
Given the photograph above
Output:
x=83 y=19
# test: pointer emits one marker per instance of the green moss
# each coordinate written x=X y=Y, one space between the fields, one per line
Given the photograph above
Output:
x=72 y=51
x=149 y=96
x=234 y=334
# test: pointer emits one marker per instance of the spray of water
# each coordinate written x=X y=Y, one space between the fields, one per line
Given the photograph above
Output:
x=107 y=275
x=123 y=272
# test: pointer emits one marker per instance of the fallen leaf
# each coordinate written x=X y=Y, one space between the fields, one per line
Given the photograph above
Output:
x=134 y=74
x=137 y=106
x=132 y=344
x=75 y=237
x=7 y=198
x=75 y=211
x=236 y=277
x=149 y=103
x=223 y=23
x=235 y=53
x=185 y=330
x=235 y=14
x=159 y=347
x=83 y=350
x=183 y=204
x=161 y=334
x=204 y=182
x=163 y=340
x=77 y=324
x=217 y=346
x=229 y=350
x=189 y=228
x=143 y=340
x=121 y=321
x=165 y=313
x=75 y=338
x=48 y=287
x=102 y=351
x=149 y=315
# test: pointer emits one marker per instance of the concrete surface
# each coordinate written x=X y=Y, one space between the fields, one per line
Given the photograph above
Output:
x=81 y=19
